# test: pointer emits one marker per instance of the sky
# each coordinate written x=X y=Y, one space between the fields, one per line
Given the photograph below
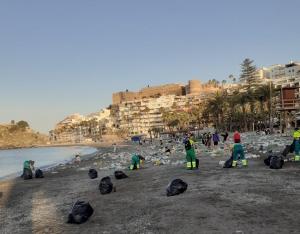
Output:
x=61 y=57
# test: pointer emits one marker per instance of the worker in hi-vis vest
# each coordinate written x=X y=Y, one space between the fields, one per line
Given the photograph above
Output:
x=136 y=162
x=296 y=136
x=238 y=151
x=190 y=153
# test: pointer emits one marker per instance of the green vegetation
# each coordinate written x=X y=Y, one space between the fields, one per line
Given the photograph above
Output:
x=245 y=108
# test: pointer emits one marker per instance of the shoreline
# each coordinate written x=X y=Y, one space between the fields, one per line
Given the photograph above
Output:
x=140 y=204
x=53 y=166
x=95 y=144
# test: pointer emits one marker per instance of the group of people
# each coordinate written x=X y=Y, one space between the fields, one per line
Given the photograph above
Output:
x=208 y=138
x=237 y=149
x=189 y=144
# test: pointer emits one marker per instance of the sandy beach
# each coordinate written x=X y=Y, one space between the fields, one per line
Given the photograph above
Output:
x=243 y=200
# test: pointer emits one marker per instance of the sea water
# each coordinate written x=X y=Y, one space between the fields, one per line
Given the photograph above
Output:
x=11 y=161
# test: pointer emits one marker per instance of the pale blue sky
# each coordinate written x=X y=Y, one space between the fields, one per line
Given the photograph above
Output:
x=59 y=57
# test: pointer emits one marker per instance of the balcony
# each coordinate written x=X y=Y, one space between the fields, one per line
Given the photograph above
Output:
x=288 y=104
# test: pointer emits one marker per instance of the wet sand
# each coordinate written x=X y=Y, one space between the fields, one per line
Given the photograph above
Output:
x=243 y=200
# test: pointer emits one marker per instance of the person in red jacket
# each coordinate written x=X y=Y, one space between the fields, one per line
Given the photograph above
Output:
x=236 y=136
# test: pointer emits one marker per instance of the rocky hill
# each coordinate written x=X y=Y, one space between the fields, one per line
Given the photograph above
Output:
x=19 y=135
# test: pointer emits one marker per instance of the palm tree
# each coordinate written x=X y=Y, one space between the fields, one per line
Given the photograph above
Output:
x=224 y=83
x=243 y=102
x=216 y=107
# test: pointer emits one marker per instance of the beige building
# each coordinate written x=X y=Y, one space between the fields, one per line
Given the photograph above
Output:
x=144 y=112
x=135 y=112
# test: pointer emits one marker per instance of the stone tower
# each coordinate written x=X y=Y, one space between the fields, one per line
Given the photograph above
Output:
x=194 y=87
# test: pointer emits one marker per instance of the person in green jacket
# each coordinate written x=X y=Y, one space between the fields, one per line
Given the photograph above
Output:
x=28 y=165
x=136 y=162
x=238 y=152
x=296 y=136
x=190 y=153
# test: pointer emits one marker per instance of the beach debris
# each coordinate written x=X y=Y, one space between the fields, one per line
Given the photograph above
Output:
x=178 y=162
x=93 y=174
x=176 y=187
x=120 y=175
x=105 y=186
x=39 y=173
x=80 y=212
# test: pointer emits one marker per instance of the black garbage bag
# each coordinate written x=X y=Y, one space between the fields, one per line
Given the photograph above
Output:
x=39 y=173
x=93 y=174
x=120 y=175
x=286 y=150
x=105 y=186
x=197 y=163
x=27 y=174
x=176 y=187
x=267 y=160
x=228 y=163
x=276 y=162
x=80 y=212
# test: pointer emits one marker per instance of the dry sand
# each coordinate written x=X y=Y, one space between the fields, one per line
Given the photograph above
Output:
x=244 y=200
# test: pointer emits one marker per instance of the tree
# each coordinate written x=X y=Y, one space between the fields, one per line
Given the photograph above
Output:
x=248 y=73
x=224 y=83
x=216 y=106
x=22 y=125
x=231 y=77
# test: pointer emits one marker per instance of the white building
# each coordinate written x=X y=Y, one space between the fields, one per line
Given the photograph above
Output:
x=287 y=75
x=140 y=116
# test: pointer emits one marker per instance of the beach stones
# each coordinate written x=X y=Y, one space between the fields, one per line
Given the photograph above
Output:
x=81 y=211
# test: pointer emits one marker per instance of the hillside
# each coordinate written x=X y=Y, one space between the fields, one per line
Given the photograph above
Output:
x=14 y=136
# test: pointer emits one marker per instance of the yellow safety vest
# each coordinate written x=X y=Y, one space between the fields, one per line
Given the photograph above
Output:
x=296 y=134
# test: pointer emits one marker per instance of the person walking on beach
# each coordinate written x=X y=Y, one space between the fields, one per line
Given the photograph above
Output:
x=190 y=153
x=77 y=159
x=225 y=136
x=136 y=162
x=238 y=152
x=208 y=140
x=115 y=147
x=216 y=138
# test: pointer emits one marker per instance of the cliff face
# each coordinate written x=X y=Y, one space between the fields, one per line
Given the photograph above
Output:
x=11 y=137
